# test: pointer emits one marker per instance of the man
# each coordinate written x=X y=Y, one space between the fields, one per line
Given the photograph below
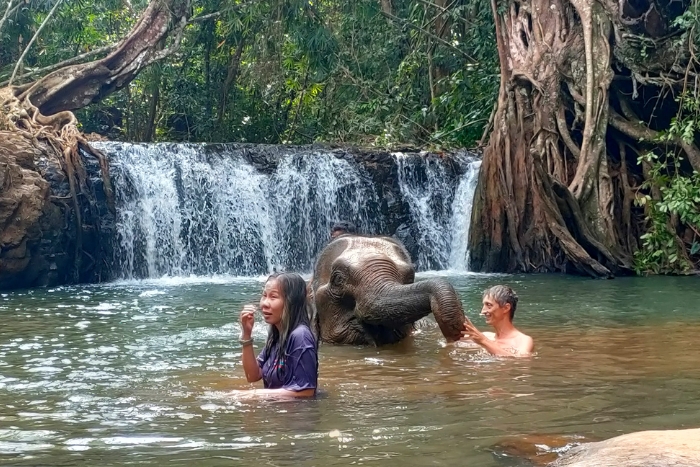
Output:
x=341 y=228
x=499 y=305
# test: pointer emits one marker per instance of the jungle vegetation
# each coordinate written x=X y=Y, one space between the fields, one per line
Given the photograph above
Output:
x=587 y=110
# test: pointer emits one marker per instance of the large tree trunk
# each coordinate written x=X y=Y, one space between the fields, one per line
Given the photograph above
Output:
x=37 y=118
x=554 y=189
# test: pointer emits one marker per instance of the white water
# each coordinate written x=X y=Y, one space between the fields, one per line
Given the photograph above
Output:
x=461 y=216
x=183 y=211
x=441 y=209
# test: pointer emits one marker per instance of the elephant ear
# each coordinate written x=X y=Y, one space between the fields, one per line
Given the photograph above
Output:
x=312 y=313
x=324 y=264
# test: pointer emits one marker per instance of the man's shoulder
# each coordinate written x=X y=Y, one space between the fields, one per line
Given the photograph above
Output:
x=525 y=342
x=523 y=336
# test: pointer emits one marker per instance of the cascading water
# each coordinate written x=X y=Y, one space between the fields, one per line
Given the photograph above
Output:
x=182 y=211
x=441 y=209
x=461 y=215
x=193 y=210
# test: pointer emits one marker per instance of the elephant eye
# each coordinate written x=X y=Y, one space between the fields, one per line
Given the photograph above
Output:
x=337 y=279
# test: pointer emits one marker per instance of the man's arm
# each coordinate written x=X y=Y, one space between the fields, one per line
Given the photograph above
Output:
x=524 y=348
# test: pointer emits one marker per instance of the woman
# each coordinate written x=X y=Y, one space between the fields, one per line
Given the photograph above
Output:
x=288 y=364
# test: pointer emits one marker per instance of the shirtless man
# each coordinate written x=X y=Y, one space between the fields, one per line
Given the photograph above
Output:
x=499 y=308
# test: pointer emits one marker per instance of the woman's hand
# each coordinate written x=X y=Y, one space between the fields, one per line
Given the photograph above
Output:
x=247 y=321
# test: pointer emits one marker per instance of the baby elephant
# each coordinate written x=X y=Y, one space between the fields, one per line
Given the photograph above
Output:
x=365 y=293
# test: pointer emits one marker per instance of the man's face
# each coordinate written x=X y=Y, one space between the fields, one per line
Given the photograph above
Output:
x=336 y=233
x=493 y=312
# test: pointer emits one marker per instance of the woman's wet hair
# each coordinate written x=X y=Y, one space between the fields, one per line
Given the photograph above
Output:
x=295 y=312
x=503 y=294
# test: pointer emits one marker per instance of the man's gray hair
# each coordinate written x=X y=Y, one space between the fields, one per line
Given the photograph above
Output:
x=503 y=294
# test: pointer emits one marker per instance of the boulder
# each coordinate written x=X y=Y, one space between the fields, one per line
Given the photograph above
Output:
x=25 y=209
x=664 y=448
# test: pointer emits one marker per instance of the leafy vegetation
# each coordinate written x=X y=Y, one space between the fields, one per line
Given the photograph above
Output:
x=292 y=71
x=671 y=243
x=426 y=72
x=671 y=191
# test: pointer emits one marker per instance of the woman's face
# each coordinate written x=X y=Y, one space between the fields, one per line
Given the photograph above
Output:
x=272 y=303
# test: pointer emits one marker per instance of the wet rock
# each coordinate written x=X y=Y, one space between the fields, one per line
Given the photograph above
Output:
x=669 y=448
x=38 y=230
x=24 y=206
x=539 y=449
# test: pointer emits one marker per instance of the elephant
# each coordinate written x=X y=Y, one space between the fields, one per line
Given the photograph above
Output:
x=364 y=294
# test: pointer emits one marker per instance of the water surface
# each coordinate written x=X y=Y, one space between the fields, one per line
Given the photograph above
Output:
x=138 y=373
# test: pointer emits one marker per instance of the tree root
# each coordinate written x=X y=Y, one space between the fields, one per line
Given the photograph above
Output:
x=63 y=141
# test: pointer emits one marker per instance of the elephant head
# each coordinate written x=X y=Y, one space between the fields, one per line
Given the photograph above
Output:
x=364 y=292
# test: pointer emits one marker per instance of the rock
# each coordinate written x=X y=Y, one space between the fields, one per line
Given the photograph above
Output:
x=668 y=448
x=538 y=449
x=37 y=218
x=24 y=196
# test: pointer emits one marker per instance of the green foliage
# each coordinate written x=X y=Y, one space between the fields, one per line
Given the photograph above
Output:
x=309 y=71
x=672 y=241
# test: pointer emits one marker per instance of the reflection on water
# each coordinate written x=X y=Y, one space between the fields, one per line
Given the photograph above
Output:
x=138 y=372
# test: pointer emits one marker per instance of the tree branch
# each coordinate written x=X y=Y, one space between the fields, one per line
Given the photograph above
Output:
x=429 y=34
x=7 y=13
x=199 y=19
x=565 y=135
x=75 y=86
x=216 y=14
x=31 y=42
x=166 y=52
x=70 y=61
x=639 y=132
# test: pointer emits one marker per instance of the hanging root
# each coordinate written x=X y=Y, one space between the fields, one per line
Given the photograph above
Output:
x=60 y=133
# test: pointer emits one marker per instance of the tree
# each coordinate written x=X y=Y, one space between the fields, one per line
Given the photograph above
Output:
x=74 y=86
x=587 y=86
x=36 y=118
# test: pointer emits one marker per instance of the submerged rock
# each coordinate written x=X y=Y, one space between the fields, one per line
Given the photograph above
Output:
x=539 y=449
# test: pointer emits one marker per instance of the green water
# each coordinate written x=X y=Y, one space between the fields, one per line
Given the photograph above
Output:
x=138 y=373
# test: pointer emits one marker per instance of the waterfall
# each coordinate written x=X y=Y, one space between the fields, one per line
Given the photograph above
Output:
x=187 y=209
x=441 y=208
x=461 y=215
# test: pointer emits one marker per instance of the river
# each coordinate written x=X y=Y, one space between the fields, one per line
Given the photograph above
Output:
x=137 y=372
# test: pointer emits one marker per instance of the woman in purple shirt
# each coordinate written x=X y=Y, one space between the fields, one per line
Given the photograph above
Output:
x=288 y=364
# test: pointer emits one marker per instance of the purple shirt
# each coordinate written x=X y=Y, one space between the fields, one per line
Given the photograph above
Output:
x=297 y=369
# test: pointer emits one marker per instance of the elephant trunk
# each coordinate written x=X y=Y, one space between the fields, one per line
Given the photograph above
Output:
x=392 y=304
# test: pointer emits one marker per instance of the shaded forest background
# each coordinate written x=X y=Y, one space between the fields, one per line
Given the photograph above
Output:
x=588 y=110
x=364 y=72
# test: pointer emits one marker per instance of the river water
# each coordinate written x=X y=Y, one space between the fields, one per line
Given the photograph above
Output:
x=138 y=372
